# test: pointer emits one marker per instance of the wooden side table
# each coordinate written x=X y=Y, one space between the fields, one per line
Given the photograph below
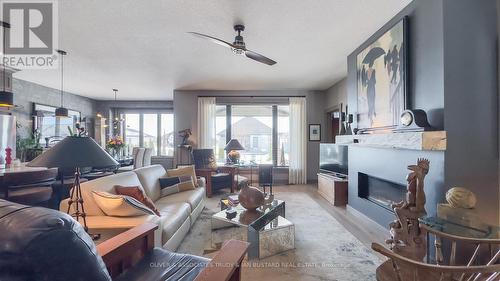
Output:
x=207 y=174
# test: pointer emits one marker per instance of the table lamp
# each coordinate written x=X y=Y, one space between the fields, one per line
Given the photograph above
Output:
x=232 y=147
x=75 y=152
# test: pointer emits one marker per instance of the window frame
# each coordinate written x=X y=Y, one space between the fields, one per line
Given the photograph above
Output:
x=274 y=129
x=141 y=113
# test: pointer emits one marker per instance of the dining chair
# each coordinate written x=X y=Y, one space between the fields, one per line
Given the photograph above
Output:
x=266 y=177
x=481 y=264
x=30 y=187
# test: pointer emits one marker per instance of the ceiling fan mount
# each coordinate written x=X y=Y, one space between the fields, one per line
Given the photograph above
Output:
x=238 y=44
x=238 y=47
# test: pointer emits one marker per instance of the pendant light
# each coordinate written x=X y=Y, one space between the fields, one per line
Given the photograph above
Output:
x=6 y=97
x=116 y=120
x=62 y=111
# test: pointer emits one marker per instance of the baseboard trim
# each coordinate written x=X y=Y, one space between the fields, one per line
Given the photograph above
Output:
x=362 y=216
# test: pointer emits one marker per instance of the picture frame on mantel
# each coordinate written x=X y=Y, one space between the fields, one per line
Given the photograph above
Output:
x=382 y=73
x=314 y=132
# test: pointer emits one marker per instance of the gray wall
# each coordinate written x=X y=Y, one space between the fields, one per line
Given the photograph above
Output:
x=186 y=108
x=336 y=94
x=453 y=76
x=26 y=93
x=471 y=100
x=105 y=106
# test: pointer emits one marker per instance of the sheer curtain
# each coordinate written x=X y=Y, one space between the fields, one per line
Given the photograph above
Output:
x=206 y=122
x=298 y=141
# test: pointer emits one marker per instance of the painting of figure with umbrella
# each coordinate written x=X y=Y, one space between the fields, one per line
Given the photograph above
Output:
x=381 y=71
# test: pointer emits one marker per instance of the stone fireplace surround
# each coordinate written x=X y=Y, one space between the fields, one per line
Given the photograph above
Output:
x=382 y=160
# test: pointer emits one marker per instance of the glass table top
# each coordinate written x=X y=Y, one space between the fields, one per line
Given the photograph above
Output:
x=244 y=217
x=448 y=227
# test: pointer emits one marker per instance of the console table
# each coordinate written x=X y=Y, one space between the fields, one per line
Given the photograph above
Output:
x=333 y=188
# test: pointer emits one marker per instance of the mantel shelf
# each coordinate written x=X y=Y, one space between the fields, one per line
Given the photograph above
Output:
x=433 y=140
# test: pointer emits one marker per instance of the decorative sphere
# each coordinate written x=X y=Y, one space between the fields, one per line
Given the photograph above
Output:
x=459 y=197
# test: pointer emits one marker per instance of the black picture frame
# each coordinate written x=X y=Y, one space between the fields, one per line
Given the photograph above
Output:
x=314 y=135
x=404 y=77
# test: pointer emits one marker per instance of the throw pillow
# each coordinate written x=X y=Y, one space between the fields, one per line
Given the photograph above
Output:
x=172 y=185
x=120 y=205
x=137 y=193
x=184 y=171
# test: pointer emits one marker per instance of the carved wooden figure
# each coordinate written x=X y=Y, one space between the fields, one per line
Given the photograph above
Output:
x=407 y=238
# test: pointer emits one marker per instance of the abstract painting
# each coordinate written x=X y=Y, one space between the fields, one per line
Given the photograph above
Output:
x=381 y=80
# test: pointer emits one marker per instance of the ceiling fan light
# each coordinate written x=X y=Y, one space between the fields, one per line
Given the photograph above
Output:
x=61 y=112
x=6 y=99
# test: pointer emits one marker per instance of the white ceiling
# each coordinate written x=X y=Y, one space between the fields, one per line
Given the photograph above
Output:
x=142 y=48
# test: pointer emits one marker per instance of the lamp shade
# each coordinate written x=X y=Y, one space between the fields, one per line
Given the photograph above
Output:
x=233 y=144
x=61 y=112
x=6 y=99
x=74 y=152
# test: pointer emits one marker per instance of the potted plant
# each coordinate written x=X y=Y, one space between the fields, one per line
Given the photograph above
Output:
x=28 y=148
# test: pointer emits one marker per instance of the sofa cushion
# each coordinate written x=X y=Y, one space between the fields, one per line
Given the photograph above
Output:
x=171 y=185
x=191 y=197
x=120 y=205
x=184 y=171
x=172 y=217
x=148 y=177
x=137 y=193
x=106 y=184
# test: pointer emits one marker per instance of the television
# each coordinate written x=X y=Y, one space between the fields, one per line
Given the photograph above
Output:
x=333 y=159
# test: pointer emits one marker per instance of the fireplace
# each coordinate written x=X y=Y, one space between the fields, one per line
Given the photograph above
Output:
x=380 y=191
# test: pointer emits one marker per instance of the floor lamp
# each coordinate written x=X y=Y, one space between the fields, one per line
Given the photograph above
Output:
x=75 y=152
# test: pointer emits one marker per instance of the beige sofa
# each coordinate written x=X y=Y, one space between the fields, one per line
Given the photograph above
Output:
x=178 y=211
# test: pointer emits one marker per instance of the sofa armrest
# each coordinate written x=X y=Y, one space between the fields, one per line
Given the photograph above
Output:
x=226 y=265
x=124 y=250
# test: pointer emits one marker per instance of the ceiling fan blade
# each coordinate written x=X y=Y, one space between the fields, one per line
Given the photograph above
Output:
x=213 y=39
x=258 y=57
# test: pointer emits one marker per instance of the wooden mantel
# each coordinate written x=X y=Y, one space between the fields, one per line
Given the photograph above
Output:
x=433 y=140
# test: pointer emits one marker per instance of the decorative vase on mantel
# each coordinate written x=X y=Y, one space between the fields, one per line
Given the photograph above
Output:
x=251 y=198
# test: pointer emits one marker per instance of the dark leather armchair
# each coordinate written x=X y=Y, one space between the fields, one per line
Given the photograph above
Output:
x=216 y=177
x=44 y=244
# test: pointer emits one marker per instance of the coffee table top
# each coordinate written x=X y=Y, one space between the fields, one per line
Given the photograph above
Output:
x=244 y=217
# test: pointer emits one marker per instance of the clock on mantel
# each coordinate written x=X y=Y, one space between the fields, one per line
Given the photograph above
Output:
x=413 y=120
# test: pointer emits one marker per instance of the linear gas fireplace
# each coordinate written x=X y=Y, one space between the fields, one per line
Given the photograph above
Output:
x=379 y=191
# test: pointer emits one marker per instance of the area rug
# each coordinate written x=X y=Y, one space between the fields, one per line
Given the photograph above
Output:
x=324 y=249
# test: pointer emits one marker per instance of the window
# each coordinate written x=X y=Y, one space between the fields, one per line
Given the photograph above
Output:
x=150 y=133
x=167 y=134
x=283 y=158
x=132 y=129
x=252 y=126
x=151 y=130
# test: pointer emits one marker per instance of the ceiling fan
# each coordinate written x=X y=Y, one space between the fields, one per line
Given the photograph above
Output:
x=238 y=46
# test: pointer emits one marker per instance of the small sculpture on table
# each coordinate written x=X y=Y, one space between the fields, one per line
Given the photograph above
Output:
x=185 y=134
x=407 y=238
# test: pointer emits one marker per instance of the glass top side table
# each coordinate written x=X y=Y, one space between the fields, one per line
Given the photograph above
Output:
x=448 y=227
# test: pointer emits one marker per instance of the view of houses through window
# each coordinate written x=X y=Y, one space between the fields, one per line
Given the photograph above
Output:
x=252 y=126
x=151 y=130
